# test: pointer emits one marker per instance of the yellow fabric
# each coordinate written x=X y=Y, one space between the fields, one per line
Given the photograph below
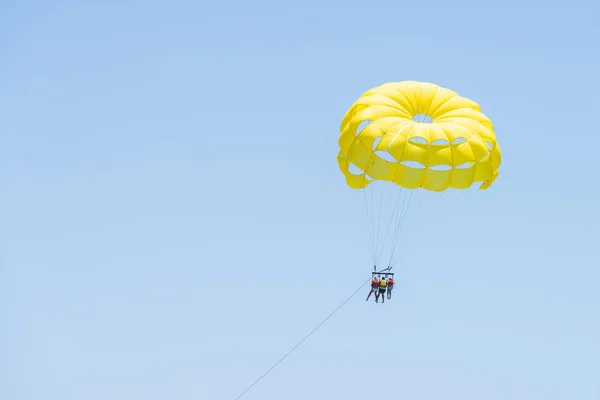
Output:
x=455 y=150
x=383 y=284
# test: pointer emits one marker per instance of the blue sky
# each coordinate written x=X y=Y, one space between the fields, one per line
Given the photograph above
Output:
x=173 y=218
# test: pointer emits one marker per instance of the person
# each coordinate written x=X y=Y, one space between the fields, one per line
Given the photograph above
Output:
x=382 y=288
x=390 y=286
x=374 y=287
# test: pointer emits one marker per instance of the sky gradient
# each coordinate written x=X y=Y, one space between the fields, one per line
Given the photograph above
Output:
x=174 y=220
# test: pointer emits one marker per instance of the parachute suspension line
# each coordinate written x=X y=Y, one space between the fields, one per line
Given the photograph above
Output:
x=303 y=339
x=428 y=224
x=441 y=208
x=401 y=213
x=443 y=211
x=379 y=218
x=370 y=228
x=371 y=190
x=420 y=204
x=391 y=213
x=394 y=212
x=371 y=220
x=395 y=221
x=399 y=227
x=402 y=222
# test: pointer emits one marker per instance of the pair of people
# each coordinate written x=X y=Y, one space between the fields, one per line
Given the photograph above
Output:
x=380 y=287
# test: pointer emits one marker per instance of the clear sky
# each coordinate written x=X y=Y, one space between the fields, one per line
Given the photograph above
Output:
x=173 y=219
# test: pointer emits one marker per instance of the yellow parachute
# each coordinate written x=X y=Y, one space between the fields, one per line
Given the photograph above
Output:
x=415 y=135
x=457 y=147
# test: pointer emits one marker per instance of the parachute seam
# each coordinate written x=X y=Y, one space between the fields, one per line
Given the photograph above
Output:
x=444 y=102
x=412 y=111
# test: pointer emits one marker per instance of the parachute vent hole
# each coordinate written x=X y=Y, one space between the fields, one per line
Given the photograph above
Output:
x=423 y=118
x=386 y=156
x=466 y=165
x=440 y=142
x=354 y=170
x=459 y=140
x=362 y=126
x=376 y=142
x=440 y=167
x=418 y=139
x=413 y=164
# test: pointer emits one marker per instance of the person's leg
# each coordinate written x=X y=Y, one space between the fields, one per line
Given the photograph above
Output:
x=370 y=294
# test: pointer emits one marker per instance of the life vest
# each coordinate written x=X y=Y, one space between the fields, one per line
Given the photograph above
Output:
x=375 y=283
x=382 y=284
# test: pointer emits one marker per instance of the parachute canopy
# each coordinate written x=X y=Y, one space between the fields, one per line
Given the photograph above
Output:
x=409 y=135
x=417 y=135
